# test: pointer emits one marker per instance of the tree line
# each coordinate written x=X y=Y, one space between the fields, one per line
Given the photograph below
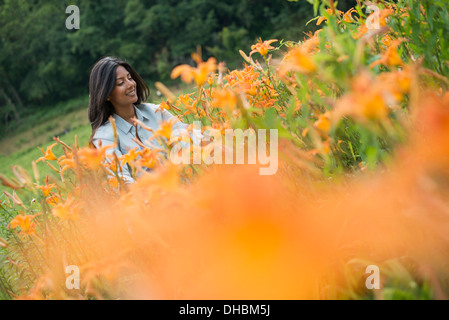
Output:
x=42 y=62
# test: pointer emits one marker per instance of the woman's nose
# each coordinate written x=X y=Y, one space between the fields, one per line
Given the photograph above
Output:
x=131 y=83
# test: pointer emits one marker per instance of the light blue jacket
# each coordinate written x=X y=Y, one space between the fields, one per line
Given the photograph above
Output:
x=150 y=116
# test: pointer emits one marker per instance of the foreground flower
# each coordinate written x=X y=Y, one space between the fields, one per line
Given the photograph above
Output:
x=129 y=157
x=46 y=189
x=391 y=56
x=297 y=60
x=67 y=210
x=53 y=199
x=149 y=158
x=365 y=101
x=323 y=123
x=92 y=158
x=48 y=154
x=262 y=47
x=25 y=222
x=165 y=129
x=224 y=99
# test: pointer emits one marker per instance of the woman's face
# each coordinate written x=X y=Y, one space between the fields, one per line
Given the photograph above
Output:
x=124 y=93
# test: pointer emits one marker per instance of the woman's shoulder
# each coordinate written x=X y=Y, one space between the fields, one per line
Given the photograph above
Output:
x=104 y=132
x=148 y=108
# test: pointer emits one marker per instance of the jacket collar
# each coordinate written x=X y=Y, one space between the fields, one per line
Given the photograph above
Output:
x=124 y=125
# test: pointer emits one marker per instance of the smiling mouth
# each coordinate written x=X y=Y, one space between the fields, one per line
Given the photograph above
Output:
x=131 y=93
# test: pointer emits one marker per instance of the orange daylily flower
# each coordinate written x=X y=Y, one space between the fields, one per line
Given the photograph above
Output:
x=130 y=156
x=262 y=47
x=53 y=199
x=387 y=41
x=187 y=102
x=166 y=105
x=149 y=158
x=92 y=158
x=165 y=129
x=46 y=189
x=48 y=154
x=66 y=163
x=184 y=99
x=25 y=222
x=297 y=60
x=67 y=210
x=391 y=57
x=398 y=83
x=198 y=74
x=246 y=80
x=383 y=15
x=113 y=182
x=224 y=99
x=330 y=12
x=112 y=163
x=366 y=100
x=347 y=17
x=323 y=123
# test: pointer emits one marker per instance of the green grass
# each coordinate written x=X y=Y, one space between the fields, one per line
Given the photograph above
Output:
x=23 y=145
x=23 y=142
x=25 y=157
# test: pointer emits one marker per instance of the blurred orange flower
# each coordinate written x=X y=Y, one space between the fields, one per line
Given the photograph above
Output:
x=66 y=162
x=365 y=101
x=46 y=189
x=92 y=158
x=297 y=60
x=130 y=156
x=67 y=210
x=262 y=47
x=48 y=154
x=25 y=222
x=165 y=129
x=390 y=57
x=198 y=74
x=149 y=158
x=53 y=199
x=323 y=123
x=224 y=99
x=347 y=17
x=330 y=12
x=186 y=101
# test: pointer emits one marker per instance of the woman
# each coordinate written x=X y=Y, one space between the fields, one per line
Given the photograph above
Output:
x=117 y=90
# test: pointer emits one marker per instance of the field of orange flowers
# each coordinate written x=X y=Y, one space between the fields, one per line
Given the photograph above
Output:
x=361 y=108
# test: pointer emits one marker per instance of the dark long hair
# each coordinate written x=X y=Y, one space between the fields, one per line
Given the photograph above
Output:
x=102 y=83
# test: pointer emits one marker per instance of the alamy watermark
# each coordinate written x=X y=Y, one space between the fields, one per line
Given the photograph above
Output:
x=72 y=21
x=219 y=146
x=373 y=20
x=373 y=280
x=73 y=280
